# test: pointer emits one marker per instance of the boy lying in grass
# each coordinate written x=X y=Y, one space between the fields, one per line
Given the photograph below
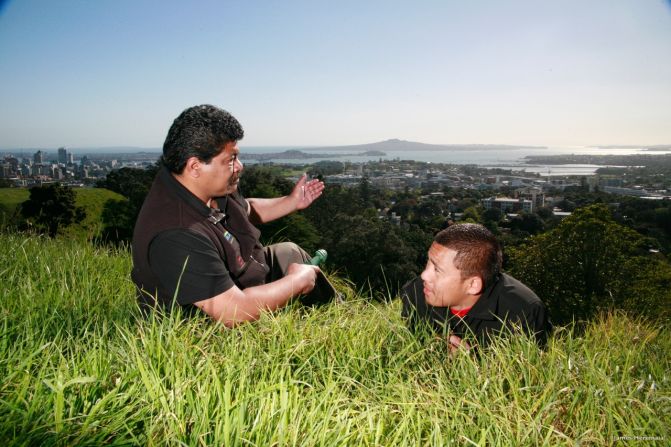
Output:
x=462 y=291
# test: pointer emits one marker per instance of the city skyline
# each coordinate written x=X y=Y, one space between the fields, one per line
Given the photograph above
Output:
x=104 y=74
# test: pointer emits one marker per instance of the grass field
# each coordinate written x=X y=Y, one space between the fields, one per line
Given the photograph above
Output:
x=78 y=367
x=10 y=199
x=92 y=199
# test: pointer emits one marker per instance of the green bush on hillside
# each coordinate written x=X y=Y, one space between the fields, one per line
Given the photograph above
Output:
x=51 y=208
x=91 y=199
x=589 y=263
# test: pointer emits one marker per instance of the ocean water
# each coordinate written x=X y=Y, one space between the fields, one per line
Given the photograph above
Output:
x=511 y=158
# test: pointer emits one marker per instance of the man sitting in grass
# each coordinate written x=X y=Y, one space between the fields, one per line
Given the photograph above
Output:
x=195 y=243
x=463 y=293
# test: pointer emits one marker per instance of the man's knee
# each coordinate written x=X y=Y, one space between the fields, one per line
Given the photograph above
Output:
x=288 y=252
x=291 y=246
x=279 y=256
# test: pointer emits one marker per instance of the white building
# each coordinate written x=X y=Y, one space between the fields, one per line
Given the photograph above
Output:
x=508 y=205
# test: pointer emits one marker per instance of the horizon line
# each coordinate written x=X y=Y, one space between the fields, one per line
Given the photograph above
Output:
x=302 y=146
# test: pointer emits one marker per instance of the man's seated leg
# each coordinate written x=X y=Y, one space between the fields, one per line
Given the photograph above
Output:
x=278 y=258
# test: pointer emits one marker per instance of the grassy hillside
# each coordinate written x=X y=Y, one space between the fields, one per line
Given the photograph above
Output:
x=10 y=198
x=77 y=367
x=92 y=199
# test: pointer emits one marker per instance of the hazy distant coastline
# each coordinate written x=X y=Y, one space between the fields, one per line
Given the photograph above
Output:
x=392 y=145
x=395 y=145
x=373 y=149
x=491 y=155
x=655 y=147
x=604 y=160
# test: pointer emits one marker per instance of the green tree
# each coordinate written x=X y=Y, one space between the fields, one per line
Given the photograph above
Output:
x=372 y=253
x=586 y=264
x=405 y=207
x=544 y=212
x=647 y=289
x=365 y=192
x=663 y=219
x=472 y=214
x=492 y=215
x=335 y=200
x=326 y=167
x=130 y=182
x=491 y=218
x=51 y=207
x=295 y=228
x=119 y=216
x=265 y=182
x=527 y=223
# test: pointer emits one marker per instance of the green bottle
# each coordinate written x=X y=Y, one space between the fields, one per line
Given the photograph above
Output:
x=319 y=257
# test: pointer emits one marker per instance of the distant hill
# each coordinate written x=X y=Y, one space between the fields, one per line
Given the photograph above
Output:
x=300 y=155
x=403 y=145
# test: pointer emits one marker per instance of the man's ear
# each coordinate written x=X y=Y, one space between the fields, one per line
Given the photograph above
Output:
x=474 y=285
x=192 y=167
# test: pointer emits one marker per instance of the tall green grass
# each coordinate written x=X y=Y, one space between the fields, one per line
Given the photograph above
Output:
x=79 y=367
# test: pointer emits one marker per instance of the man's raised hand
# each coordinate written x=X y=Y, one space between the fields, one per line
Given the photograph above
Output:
x=306 y=191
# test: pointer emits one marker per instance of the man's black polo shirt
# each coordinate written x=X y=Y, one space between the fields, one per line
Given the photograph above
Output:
x=185 y=251
x=504 y=304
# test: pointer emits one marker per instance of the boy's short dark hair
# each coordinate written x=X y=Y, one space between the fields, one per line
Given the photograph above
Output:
x=478 y=250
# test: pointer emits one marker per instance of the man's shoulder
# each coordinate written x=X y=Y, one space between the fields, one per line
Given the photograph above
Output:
x=167 y=217
x=188 y=236
x=517 y=294
x=159 y=201
x=159 y=213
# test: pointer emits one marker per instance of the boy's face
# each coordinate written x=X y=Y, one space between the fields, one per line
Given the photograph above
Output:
x=443 y=284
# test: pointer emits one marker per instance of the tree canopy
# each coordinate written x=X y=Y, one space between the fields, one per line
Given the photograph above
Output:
x=588 y=263
x=50 y=208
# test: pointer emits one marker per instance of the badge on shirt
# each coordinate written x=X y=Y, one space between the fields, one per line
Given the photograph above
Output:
x=228 y=236
x=216 y=216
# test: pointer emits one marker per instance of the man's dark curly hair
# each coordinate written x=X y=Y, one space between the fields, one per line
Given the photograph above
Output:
x=478 y=250
x=199 y=131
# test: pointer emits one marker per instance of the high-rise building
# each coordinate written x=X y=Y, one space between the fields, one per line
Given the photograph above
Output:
x=38 y=158
x=62 y=155
x=56 y=172
x=5 y=170
x=71 y=158
x=536 y=195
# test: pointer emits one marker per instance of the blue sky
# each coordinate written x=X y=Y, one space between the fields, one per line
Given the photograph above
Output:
x=558 y=73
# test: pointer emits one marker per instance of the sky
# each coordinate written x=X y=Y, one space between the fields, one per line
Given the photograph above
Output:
x=319 y=73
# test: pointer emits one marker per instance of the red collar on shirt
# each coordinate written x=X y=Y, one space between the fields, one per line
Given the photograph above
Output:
x=460 y=313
